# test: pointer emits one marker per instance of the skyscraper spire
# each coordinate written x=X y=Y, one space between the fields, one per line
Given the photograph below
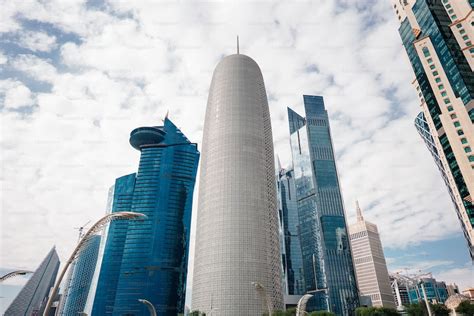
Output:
x=360 y=217
x=238 y=45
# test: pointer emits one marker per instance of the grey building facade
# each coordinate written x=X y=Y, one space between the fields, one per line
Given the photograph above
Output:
x=33 y=296
x=237 y=257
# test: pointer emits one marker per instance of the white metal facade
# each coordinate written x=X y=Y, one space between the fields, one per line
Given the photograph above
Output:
x=237 y=227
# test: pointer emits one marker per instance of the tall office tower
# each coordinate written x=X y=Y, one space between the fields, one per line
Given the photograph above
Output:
x=437 y=36
x=291 y=257
x=237 y=223
x=327 y=259
x=148 y=259
x=75 y=295
x=369 y=261
x=399 y=292
x=32 y=297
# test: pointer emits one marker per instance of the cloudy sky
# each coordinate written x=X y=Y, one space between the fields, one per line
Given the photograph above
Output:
x=76 y=76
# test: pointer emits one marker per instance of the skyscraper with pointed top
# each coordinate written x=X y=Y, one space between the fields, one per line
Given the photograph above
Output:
x=369 y=262
x=237 y=257
x=33 y=296
x=327 y=260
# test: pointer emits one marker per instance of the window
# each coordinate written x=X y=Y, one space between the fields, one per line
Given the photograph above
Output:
x=444 y=94
x=450 y=108
x=454 y=17
x=437 y=80
x=469 y=43
x=462 y=31
x=467 y=149
x=460 y=132
x=426 y=52
x=446 y=101
x=440 y=87
x=451 y=11
x=453 y=116
x=471 y=158
x=459 y=25
x=448 y=6
x=457 y=124
x=471 y=50
x=435 y=73
x=430 y=60
x=465 y=37
x=432 y=67
x=463 y=141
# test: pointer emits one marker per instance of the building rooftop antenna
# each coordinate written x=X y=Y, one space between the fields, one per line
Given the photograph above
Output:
x=238 y=52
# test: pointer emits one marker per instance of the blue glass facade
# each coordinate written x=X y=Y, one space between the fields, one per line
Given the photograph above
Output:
x=327 y=259
x=436 y=292
x=75 y=296
x=434 y=23
x=292 y=260
x=154 y=252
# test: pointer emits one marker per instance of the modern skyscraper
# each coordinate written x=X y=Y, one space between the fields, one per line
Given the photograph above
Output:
x=292 y=260
x=75 y=295
x=34 y=294
x=369 y=261
x=399 y=291
x=237 y=222
x=437 y=36
x=327 y=259
x=148 y=259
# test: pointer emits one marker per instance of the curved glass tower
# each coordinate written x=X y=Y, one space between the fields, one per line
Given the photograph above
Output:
x=148 y=259
x=237 y=239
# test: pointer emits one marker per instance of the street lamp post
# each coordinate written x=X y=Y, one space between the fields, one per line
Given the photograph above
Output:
x=263 y=295
x=101 y=223
x=14 y=273
x=301 y=307
x=150 y=306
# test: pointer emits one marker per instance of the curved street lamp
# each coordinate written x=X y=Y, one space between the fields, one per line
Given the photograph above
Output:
x=263 y=295
x=301 y=307
x=150 y=306
x=100 y=224
x=14 y=273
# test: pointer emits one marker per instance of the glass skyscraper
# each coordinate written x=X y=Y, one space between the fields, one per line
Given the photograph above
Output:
x=75 y=295
x=148 y=259
x=292 y=261
x=33 y=296
x=327 y=259
x=438 y=37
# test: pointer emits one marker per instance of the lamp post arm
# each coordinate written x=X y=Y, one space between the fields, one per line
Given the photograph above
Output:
x=95 y=228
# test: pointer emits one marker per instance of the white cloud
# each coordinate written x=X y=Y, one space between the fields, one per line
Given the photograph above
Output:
x=37 y=41
x=136 y=59
x=3 y=58
x=463 y=276
x=15 y=94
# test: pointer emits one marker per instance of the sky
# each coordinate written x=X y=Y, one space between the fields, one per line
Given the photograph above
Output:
x=77 y=76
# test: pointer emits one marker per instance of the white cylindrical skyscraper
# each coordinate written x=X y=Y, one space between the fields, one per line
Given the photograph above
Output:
x=237 y=227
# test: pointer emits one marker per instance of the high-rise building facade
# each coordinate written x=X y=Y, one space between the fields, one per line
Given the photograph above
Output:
x=148 y=259
x=327 y=259
x=292 y=260
x=74 y=299
x=438 y=37
x=369 y=262
x=33 y=296
x=399 y=291
x=436 y=292
x=237 y=257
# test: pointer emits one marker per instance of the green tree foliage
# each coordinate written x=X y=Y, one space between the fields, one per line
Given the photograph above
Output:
x=376 y=311
x=416 y=309
x=440 y=310
x=465 y=308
